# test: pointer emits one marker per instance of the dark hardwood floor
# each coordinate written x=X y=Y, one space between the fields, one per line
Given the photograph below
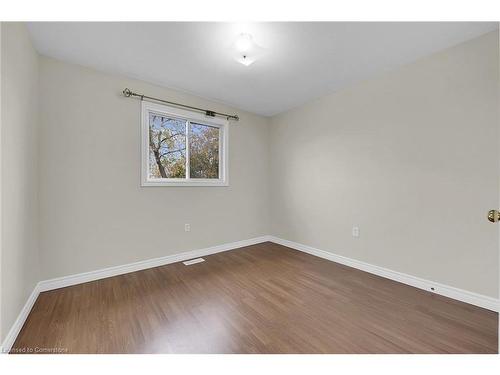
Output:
x=264 y=298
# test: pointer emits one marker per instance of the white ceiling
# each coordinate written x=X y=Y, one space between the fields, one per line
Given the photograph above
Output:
x=302 y=60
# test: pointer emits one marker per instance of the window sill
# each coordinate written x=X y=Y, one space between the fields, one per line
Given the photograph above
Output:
x=184 y=183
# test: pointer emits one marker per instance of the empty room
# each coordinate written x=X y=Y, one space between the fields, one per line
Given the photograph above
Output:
x=249 y=188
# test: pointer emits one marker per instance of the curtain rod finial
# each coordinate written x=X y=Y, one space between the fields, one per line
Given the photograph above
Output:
x=127 y=92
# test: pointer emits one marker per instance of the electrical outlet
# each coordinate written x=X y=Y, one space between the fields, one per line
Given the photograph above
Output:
x=355 y=232
x=187 y=227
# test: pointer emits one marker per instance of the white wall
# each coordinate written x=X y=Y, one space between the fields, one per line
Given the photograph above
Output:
x=1 y=209
x=95 y=214
x=19 y=172
x=411 y=157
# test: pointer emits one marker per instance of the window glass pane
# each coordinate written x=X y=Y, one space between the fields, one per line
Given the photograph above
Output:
x=167 y=147
x=203 y=151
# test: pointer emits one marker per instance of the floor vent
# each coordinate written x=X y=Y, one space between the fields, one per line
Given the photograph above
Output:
x=193 y=261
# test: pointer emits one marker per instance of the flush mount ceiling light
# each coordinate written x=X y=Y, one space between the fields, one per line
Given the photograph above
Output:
x=246 y=51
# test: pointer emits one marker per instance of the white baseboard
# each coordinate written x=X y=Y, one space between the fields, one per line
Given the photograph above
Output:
x=483 y=301
x=85 y=277
x=18 y=324
x=65 y=281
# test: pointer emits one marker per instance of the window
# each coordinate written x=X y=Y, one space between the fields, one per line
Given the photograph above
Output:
x=182 y=148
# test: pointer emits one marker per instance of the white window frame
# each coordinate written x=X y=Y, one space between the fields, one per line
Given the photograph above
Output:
x=190 y=116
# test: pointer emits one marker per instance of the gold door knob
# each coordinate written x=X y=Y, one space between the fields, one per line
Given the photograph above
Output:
x=493 y=216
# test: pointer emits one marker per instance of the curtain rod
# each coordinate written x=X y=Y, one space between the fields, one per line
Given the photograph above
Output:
x=128 y=93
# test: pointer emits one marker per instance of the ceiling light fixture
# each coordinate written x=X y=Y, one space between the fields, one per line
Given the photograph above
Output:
x=246 y=50
x=244 y=42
